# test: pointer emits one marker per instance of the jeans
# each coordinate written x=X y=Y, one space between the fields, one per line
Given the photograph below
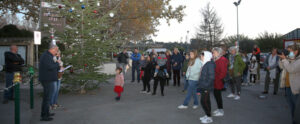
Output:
x=123 y=66
x=186 y=83
x=165 y=70
x=56 y=92
x=192 y=91
x=137 y=69
x=9 y=94
x=245 y=77
x=48 y=88
x=176 y=77
x=227 y=80
x=291 y=99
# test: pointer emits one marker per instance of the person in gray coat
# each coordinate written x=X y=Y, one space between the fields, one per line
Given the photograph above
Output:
x=273 y=71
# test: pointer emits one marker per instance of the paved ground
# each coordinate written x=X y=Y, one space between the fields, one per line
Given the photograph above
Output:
x=134 y=108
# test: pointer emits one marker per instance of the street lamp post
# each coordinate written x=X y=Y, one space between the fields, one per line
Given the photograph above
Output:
x=237 y=18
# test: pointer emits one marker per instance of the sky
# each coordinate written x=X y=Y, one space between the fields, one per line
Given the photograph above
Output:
x=255 y=17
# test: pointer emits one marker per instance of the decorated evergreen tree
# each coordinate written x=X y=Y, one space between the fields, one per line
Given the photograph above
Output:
x=96 y=28
x=89 y=40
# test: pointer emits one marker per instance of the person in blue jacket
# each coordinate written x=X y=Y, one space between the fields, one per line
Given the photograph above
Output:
x=136 y=56
x=48 y=76
x=206 y=84
x=176 y=61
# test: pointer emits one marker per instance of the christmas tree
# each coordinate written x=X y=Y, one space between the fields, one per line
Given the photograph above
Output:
x=96 y=28
x=89 y=39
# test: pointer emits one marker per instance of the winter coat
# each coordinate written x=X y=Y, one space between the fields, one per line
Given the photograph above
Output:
x=148 y=71
x=220 y=72
x=169 y=67
x=207 y=77
x=193 y=72
x=161 y=60
x=253 y=67
x=13 y=62
x=135 y=59
x=293 y=68
x=122 y=58
x=48 y=68
x=276 y=66
x=176 y=58
x=257 y=53
x=238 y=66
x=185 y=65
x=119 y=80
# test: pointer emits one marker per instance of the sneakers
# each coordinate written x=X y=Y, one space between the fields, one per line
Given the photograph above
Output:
x=237 y=97
x=195 y=106
x=148 y=93
x=207 y=120
x=155 y=74
x=231 y=95
x=218 y=113
x=182 y=107
x=143 y=91
x=202 y=118
x=167 y=75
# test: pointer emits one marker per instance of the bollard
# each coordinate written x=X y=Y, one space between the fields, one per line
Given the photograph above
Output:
x=31 y=72
x=17 y=103
x=31 y=93
x=17 y=80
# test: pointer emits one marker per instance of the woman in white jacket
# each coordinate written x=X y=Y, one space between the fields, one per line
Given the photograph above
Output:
x=253 y=70
x=192 y=75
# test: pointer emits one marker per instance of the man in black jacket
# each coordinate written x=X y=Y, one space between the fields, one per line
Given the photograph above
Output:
x=13 y=63
x=122 y=60
x=48 y=76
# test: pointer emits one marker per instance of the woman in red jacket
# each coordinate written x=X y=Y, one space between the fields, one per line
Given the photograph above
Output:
x=220 y=73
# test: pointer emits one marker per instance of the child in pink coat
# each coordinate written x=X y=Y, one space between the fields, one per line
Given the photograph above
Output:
x=119 y=83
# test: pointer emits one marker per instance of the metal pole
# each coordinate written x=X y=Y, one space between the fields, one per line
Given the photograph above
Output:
x=17 y=103
x=37 y=55
x=237 y=16
x=31 y=92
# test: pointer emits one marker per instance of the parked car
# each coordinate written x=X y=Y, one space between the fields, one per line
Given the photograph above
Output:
x=263 y=57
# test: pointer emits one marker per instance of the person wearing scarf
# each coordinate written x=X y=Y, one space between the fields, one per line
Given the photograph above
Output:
x=273 y=72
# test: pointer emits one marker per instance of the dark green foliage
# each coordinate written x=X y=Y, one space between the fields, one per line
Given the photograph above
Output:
x=12 y=31
x=246 y=43
x=266 y=41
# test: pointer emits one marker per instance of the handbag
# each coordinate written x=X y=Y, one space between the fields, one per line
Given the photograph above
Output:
x=161 y=74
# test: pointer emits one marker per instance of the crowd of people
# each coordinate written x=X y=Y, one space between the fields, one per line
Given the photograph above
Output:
x=213 y=72
x=203 y=72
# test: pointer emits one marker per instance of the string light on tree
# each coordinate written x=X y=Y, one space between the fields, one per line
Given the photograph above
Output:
x=111 y=14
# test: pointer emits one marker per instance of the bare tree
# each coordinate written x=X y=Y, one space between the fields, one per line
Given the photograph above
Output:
x=211 y=28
